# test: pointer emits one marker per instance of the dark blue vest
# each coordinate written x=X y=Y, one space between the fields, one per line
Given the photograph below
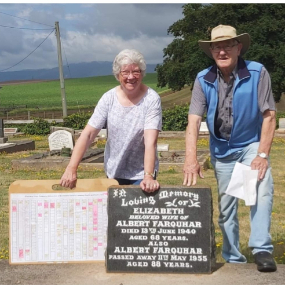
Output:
x=247 y=118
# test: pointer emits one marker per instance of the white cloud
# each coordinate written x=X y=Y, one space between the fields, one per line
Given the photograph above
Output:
x=89 y=32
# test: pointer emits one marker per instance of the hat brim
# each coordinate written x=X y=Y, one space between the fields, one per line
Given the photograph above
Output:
x=243 y=38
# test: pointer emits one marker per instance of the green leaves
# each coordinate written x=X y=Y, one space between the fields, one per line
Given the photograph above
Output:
x=176 y=118
x=39 y=127
x=76 y=121
x=265 y=23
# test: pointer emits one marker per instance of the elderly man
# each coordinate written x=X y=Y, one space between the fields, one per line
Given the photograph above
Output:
x=241 y=120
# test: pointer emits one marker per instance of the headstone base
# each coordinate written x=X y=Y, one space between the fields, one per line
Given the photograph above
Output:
x=3 y=140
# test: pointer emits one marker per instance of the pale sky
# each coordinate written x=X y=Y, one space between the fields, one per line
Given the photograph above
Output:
x=89 y=32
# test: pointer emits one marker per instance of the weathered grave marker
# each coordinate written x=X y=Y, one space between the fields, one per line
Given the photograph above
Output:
x=282 y=123
x=59 y=139
x=170 y=230
x=10 y=131
x=162 y=147
x=203 y=128
x=2 y=138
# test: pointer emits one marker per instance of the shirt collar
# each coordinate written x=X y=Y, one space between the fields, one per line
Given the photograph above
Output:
x=240 y=70
x=234 y=72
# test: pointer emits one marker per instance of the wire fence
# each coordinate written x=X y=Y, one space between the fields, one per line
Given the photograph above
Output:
x=29 y=115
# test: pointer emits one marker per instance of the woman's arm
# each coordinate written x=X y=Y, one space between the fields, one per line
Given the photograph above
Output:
x=149 y=184
x=69 y=177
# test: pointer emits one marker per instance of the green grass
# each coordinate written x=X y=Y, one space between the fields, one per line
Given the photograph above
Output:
x=80 y=92
x=168 y=175
x=179 y=98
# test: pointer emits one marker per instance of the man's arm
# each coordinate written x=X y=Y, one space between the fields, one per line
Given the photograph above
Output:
x=267 y=134
x=191 y=166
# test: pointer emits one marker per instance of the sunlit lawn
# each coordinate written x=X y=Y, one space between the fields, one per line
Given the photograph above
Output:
x=168 y=175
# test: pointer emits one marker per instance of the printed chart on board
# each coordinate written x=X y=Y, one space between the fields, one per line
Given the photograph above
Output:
x=58 y=227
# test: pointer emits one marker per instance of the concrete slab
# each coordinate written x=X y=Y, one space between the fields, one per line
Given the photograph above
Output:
x=17 y=146
x=94 y=273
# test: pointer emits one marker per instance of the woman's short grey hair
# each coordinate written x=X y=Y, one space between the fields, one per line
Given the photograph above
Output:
x=128 y=56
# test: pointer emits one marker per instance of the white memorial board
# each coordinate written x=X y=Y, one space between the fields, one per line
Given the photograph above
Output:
x=47 y=226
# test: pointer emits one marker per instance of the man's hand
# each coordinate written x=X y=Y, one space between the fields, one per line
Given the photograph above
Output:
x=260 y=164
x=191 y=170
x=149 y=184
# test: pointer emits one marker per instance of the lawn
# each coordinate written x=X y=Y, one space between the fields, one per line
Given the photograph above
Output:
x=80 y=92
x=167 y=176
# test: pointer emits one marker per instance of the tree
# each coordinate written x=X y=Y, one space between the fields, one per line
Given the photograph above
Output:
x=265 y=23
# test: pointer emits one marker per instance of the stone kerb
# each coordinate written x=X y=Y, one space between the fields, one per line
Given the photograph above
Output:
x=59 y=139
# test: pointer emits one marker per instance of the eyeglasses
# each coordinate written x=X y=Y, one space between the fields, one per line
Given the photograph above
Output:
x=126 y=73
x=218 y=49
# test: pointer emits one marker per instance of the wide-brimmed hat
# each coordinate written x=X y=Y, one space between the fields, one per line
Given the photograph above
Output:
x=223 y=33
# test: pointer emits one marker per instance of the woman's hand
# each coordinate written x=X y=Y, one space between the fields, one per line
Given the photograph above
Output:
x=149 y=184
x=69 y=177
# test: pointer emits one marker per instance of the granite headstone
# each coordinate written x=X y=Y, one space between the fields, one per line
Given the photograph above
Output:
x=1 y=128
x=2 y=138
x=169 y=231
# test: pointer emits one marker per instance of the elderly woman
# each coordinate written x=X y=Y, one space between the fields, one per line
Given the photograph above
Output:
x=132 y=113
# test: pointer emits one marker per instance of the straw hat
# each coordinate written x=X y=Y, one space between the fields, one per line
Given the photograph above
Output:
x=223 y=33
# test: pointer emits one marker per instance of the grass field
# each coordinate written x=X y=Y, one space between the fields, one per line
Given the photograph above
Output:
x=167 y=176
x=80 y=92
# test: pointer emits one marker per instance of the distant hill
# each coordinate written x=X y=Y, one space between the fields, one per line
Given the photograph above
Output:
x=75 y=70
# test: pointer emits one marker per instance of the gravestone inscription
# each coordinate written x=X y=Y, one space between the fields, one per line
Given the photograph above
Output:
x=59 y=139
x=170 y=230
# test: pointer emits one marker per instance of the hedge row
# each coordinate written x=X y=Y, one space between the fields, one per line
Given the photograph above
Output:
x=174 y=119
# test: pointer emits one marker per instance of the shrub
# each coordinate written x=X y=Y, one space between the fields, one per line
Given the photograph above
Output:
x=38 y=127
x=77 y=121
x=176 y=118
